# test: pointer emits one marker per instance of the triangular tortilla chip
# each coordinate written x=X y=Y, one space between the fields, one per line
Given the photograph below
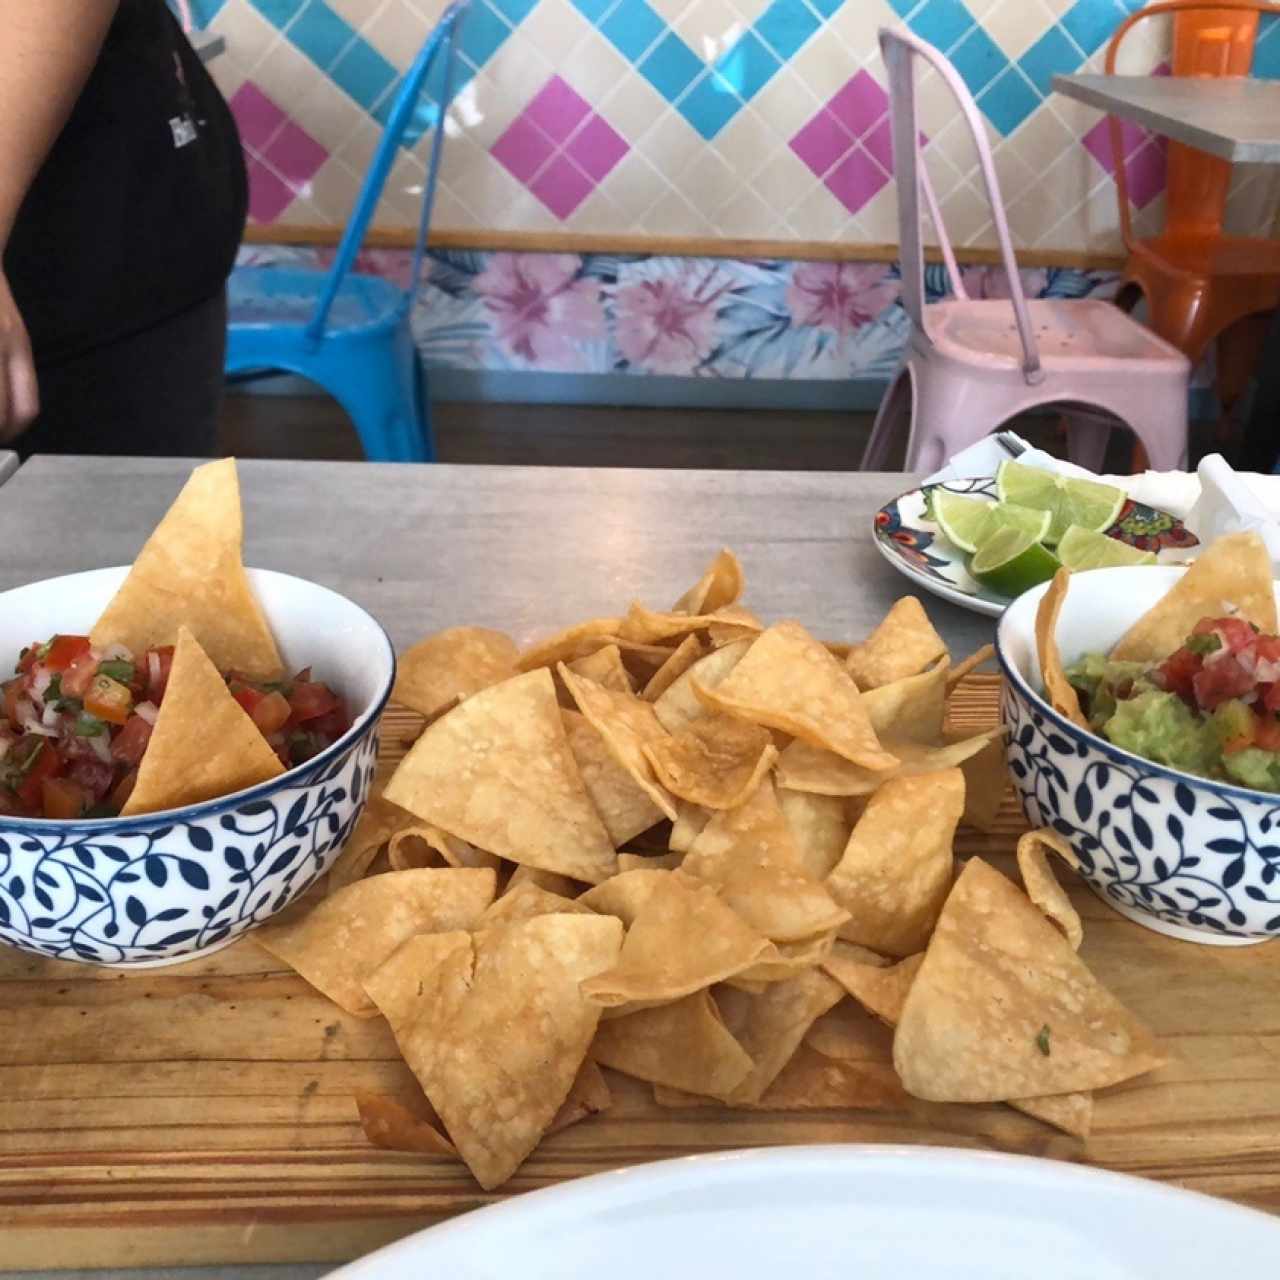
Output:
x=803 y=767
x=690 y=820
x=679 y=705
x=204 y=745
x=1042 y=885
x=910 y=709
x=1231 y=575
x=497 y=772
x=717 y=761
x=190 y=573
x=683 y=656
x=548 y=880
x=526 y=902
x=1058 y=690
x=378 y=823
x=878 y=986
x=403 y=1124
x=791 y=958
x=896 y=870
x=962 y=668
x=626 y=723
x=422 y=845
x=904 y=644
x=684 y=1045
x=819 y=826
x=1003 y=1008
x=498 y=1058
x=451 y=665
x=1070 y=1112
x=720 y=585
x=646 y=626
x=605 y=667
x=986 y=779
x=649 y=861
x=623 y=805
x=788 y=681
x=848 y=1033
x=341 y=941
x=574 y=642
x=750 y=853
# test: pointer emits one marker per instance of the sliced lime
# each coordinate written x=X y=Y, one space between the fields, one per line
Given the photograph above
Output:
x=963 y=520
x=1009 y=515
x=1087 y=549
x=1068 y=499
x=1011 y=561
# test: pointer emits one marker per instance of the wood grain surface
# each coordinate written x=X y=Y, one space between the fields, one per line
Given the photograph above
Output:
x=204 y=1113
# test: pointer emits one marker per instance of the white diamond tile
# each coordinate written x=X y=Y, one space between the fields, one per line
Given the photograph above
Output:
x=282 y=71
x=787 y=103
x=746 y=217
x=673 y=215
x=750 y=10
x=357 y=151
x=1012 y=173
x=635 y=107
x=967 y=216
x=597 y=215
x=333 y=190
x=450 y=214
x=1041 y=138
x=247 y=33
x=634 y=186
x=817 y=216
x=823 y=66
x=708 y=181
x=670 y=10
x=748 y=142
x=517 y=71
x=879 y=216
x=671 y=143
x=857 y=26
x=710 y=28
x=597 y=69
x=784 y=181
x=1016 y=25
x=396 y=31
x=556 y=29
x=478 y=180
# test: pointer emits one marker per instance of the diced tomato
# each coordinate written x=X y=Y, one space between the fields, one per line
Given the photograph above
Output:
x=1178 y=672
x=1236 y=632
x=1217 y=681
x=1266 y=733
x=46 y=763
x=62 y=798
x=1269 y=696
x=109 y=700
x=95 y=776
x=1267 y=648
x=163 y=662
x=271 y=712
x=28 y=658
x=130 y=743
x=124 y=789
x=309 y=700
x=332 y=725
x=246 y=695
x=63 y=651
x=77 y=678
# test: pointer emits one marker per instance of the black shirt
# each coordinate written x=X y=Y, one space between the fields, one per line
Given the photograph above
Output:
x=138 y=210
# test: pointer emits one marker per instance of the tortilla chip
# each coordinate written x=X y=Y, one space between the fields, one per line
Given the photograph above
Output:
x=423 y=845
x=715 y=762
x=526 y=902
x=904 y=644
x=750 y=853
x=789 y=959
x=408 y=1124
x=819 y=826
x=627 y=724
x=451 y=665
x=878 y=986
x=1231 y=575
x=341 y=941
x=378 y=823
x=788 y=681
x=771 y=1026
x=497 y=772
x=646 y=626
x=683 y=656
x=810 y=769
x=912 y=708
x=605 y=667
x=1058 y=690
x=589 y=1095
x=441 y=961
x=575 y=642
x=684 y=1045
x=547 y=880
x=203 y=745
x=962 y=668
x=679 y=705
x=497 y=1059
x=1003 y=1008
x=731 y=625
x=721 y=585
x=986 y=782
x=649 y=861
x=1042 y=885
x=848 y=1033
x=680 y=939
x=690 y=820
x=625 y=808
x=190 y=574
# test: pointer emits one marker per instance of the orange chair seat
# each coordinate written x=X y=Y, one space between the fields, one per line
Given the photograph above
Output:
x=1212 y=254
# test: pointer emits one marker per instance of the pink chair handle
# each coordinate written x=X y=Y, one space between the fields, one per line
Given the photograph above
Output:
x=899 y=49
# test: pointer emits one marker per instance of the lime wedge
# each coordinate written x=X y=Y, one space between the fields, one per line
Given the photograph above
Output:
x=963 y=520
x=1009 y=515
x=1087 y=549
x=1069 y=500
x=1011 y=561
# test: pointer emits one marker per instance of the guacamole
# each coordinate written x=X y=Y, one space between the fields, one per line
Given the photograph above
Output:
x=1212 y=707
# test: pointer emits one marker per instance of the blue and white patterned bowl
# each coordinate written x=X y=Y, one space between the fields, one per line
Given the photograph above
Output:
x=1182 y=855
x=167 y=887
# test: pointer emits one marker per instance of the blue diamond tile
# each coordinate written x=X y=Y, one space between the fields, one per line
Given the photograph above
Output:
x=321 y=34
x=671 y=66
x=785 y=25
x=709 y=105
x=363 y=73
x=903 y=7
x=942 y=22
x=594 y=10
x=632 y=27
x=978 y=59
x=826 y=7
x=1090 y=23
x=203 y=12
x=1008 y=101
x=481 y=34
x=516 y=11
x=748 y=66
x=278 y=12
x=1266 y=52
x=1051 y=55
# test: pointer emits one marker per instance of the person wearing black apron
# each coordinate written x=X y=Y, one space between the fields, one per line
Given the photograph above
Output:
x=123 y=196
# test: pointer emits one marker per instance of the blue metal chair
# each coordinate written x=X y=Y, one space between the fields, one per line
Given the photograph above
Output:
x=348 y=332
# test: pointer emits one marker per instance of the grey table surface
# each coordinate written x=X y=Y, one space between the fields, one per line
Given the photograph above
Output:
x=528 y=549
x=1232 y=117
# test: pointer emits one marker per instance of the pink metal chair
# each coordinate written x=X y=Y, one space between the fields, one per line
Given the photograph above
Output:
x=974 y=364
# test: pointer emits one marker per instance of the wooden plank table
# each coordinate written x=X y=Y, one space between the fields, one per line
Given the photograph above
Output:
x=204 y=1115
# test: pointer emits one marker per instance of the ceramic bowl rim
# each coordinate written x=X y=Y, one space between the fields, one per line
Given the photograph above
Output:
x=1117 y=754
x=211 y=808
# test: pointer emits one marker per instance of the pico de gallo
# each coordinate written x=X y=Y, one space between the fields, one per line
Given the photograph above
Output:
x=1211 y=708
x=76 y=722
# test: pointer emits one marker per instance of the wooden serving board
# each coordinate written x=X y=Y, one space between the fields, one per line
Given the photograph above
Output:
x=204 y=1113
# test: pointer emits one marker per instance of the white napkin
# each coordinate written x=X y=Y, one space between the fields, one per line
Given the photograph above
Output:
x=1213 y=501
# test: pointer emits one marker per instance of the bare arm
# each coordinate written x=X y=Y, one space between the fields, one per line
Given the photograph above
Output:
x=47 y=49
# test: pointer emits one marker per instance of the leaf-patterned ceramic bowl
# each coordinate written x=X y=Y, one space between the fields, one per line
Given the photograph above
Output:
x=170 y=886
x=1185 y=856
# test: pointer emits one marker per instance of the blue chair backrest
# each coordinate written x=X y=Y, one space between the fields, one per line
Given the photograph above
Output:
x=442 y=42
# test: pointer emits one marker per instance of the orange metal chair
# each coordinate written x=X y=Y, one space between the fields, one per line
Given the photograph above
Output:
x=1199 y=282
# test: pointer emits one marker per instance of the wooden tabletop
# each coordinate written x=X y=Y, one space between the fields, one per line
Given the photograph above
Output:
x=1233 y=117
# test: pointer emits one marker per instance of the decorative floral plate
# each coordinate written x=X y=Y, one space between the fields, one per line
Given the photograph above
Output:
x=907 y=537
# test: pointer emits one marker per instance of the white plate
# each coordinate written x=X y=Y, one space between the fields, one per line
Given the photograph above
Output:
x=843 y=1213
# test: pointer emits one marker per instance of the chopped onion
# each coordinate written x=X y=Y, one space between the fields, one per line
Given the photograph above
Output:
x=153 y=669
x=147 y=710
x=41 y=679
x=117 y=653
x=1251 y=696
x=1267 y=671
x=30 y=722
x=1248 y=660
x=101 y=745
x=50 y=716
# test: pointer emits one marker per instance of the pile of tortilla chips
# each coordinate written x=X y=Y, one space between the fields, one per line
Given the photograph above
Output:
x=188 y=588
x=711 y=854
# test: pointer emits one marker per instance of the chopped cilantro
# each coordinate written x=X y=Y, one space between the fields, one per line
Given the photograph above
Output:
x=1042 y=1040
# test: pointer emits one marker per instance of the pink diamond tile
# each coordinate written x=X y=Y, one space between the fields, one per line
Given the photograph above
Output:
x=860 y=104
x=557 y=109
x=295 y=155
x=1097 y=142
x=523 y=148
x=256 y=115
x=879 y=144
x=855 y=180
x=1146 y=173
x=269 y=195
x=597 y=147
x=821 y=142
x=562 y=187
